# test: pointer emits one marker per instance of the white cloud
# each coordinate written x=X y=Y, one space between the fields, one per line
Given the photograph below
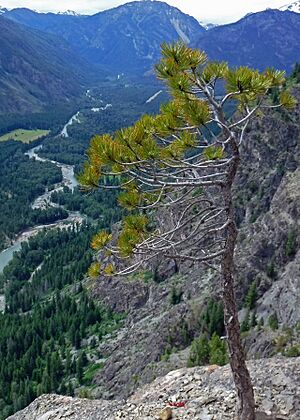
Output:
x=219 y=11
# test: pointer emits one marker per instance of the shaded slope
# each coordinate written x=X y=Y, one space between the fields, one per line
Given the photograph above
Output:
x=266 y=39
x=125 y=39
x=36 y=69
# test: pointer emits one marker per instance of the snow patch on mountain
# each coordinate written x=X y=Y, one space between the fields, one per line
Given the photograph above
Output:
x=69 y=13
x=208 y=26
x=292 y=7
x=3 y=10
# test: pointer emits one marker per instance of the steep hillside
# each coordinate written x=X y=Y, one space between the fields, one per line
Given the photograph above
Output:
x=125 y=39
x=128 y=38
x=36 y=69
x=266 y=39
x=159 y=328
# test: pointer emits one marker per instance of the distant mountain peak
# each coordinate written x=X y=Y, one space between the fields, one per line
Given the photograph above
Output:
x=3 y=10
x=292 y=7
x=69 y=13
x=208 y=26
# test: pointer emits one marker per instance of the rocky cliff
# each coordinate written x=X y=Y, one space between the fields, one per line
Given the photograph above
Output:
x=205 y=393
x=157 y=333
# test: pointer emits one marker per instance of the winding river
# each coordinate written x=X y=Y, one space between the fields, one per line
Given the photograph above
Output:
x=44 y=200
x=41 y=202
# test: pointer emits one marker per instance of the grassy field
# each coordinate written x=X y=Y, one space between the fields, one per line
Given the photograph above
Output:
x=25 y=136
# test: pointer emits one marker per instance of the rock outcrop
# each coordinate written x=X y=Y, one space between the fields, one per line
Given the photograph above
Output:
x=202 y=393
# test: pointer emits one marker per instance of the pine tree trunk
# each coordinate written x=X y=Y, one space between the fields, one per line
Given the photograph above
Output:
x=241 y=376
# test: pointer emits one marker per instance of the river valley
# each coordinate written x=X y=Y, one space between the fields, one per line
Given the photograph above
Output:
x=42 y=202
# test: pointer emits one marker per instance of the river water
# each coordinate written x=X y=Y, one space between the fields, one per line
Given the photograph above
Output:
x=43 y=201
x=74 y=118
x=69 y=179
x=7 y=254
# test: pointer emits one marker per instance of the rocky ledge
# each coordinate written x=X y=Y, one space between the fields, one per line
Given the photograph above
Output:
x=201 y=393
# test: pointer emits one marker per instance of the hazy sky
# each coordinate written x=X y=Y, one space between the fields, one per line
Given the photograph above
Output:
x=218 y=11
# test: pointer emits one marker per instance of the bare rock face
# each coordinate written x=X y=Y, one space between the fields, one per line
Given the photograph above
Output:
x=263 y=255
x=202 y=393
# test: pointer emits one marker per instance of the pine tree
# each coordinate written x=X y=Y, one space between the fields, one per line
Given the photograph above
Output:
x=273 y=321
x=79 y=368
x=251 y=296
x=217 y=351
x=245 y=325
x=199 y=353
x=174 y=162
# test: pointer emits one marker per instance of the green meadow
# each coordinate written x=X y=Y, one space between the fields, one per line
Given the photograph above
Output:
x=25 y=136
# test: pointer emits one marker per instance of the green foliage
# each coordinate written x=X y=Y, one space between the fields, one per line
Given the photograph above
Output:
x=94 y=269
x=215 y=70
x=91 y=371
x=46 y=328
x=199 y=352
x=212 y=318
x=204 y=351
x=50 y=119
x=291 y=243
x=295 y=76
x=95 y=205
x=135 y=228
x=100 y=240
x=217 y=351
x=165 y=357
x=58 y=268
x=245 y=325
x=146 y=158
x=273 y=321
x=80 y=364
x=287 y=100
x=24 y=136
x=207 y=346
x=175 y=296
x=251 y=296
x=271 y=270
x=38 y=359
x=128 y=104
x=253 y=321
x=260 y=324
x=21 y=181
x=293 y=351
x=214 y=153
x=250 y=84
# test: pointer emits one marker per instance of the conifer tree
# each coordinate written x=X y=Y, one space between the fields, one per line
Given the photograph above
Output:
x=182 y=163
x=199 y=353
x=217 y=351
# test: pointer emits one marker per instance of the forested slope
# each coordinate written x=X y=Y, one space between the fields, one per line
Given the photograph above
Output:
x=36 y=69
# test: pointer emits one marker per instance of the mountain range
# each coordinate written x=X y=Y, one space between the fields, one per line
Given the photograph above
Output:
x=266 y=39
x=124 y=39
x=65 y=48
x=292 y=7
